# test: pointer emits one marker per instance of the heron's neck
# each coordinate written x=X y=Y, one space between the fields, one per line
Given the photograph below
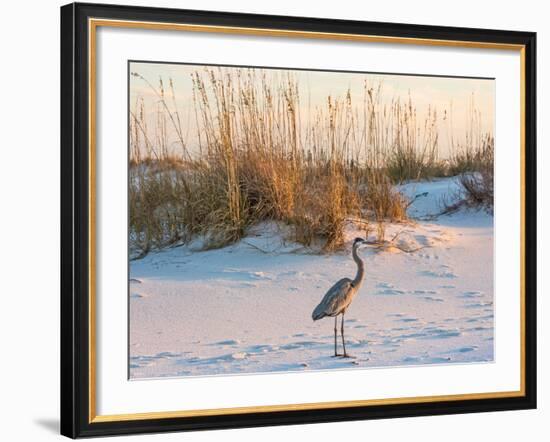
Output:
x=360 y=268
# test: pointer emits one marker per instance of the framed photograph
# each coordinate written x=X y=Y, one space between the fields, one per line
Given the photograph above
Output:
x=274 y=220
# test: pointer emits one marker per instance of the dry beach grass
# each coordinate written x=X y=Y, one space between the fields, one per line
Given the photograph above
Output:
x=258 y=158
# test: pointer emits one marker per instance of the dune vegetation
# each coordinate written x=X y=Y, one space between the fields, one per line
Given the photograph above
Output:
x=258 y=158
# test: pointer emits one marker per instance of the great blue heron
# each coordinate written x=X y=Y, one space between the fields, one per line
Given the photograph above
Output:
x=339 y=297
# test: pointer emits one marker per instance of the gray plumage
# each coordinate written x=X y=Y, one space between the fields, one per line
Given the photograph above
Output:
x=340 y=295
x=336 y=300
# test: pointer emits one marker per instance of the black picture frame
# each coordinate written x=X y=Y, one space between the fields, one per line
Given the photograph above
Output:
x=75 y=220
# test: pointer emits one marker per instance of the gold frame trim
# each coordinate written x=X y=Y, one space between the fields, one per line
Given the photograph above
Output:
x=93 y=24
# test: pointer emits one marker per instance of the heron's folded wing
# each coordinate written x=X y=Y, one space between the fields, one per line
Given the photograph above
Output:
x=335 y=297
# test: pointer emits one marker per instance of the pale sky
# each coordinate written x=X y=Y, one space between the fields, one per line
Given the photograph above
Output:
x=440 y=93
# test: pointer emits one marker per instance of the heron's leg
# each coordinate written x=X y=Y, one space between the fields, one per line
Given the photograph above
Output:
x=342 y=332
x=336 y=336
